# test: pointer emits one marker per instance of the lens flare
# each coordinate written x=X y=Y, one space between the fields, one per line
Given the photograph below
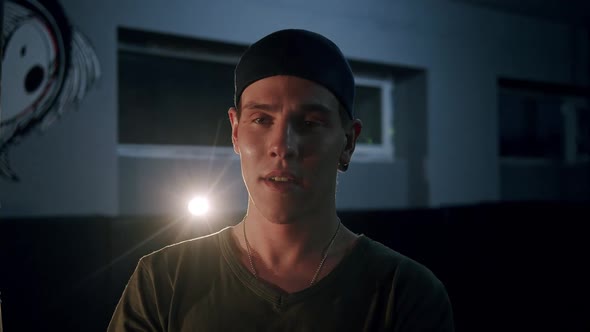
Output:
x=198 y=206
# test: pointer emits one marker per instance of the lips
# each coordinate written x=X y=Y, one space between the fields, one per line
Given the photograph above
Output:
x=281 y=181
x=281 y=176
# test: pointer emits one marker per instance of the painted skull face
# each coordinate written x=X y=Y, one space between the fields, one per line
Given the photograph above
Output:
x=47 y=65
x=30 y=72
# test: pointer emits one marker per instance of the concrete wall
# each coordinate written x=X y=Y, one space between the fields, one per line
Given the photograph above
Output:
x=73 y=168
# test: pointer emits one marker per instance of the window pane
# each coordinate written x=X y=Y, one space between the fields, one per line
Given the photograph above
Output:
x=165 y=100
x=530 y=126
x=367 y=107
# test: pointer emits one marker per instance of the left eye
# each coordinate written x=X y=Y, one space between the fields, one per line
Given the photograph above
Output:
x=309 y=123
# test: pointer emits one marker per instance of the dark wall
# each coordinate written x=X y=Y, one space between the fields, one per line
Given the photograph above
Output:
x=509 y=267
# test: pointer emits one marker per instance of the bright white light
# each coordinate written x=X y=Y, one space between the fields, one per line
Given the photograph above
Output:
x=198 y=206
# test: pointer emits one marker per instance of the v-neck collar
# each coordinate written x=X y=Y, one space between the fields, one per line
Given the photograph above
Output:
x=277 y=297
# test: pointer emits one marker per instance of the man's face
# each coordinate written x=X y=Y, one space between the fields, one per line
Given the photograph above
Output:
x=290 y=140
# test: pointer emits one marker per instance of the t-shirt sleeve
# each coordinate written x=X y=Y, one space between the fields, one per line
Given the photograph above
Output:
x=421 y=301
x=138 y=309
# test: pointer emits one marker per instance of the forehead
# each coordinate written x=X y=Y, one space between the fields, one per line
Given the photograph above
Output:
x=288 y=90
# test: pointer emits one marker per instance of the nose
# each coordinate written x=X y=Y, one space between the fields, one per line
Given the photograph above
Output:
x=284 y=143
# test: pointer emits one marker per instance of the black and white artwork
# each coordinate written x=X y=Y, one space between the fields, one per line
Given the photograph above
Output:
x=48 y=66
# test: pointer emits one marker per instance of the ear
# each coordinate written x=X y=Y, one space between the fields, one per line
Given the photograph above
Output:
x=352 y=132
x=233 y=120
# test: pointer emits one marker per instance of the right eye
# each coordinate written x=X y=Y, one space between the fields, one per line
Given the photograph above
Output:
x=260 y=120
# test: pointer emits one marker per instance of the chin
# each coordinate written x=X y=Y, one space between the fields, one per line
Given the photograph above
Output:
x=280 y=216
x=278 y=212
x=285 y=208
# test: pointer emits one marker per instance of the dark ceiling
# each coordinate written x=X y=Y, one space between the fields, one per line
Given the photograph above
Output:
x=574 y=12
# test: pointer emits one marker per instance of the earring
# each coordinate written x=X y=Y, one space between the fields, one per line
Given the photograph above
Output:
x=343 y=167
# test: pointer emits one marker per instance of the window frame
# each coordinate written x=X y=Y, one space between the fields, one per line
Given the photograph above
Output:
x=567 y=111
x=383 y=152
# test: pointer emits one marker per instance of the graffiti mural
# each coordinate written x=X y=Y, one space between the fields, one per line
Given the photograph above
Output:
x=47 y=68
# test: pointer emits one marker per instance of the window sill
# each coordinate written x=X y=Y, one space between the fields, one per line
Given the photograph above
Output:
x=363 y=154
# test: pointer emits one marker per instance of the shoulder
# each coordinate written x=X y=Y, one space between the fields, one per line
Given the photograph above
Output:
x=398 y=267
x=183 y=268
x=195 y=251
x=416 y=297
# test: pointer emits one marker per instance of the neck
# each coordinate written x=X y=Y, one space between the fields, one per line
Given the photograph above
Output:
x=290 y=255
x=290 y=242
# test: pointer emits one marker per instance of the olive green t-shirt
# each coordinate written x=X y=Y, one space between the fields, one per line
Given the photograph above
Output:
x=200 y=285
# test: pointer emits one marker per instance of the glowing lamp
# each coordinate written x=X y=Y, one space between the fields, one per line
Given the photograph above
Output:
x=198 y=206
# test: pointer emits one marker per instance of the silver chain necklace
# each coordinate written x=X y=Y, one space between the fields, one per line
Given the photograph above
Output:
x=317 y=272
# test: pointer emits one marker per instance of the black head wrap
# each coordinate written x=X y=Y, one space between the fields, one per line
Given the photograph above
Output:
x=300 y=53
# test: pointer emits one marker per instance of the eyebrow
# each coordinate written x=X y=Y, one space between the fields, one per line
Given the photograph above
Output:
x=315 y=107
x=309 y=107
x=258 y=106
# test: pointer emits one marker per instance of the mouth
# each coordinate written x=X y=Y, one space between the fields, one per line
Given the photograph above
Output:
x=281 y=181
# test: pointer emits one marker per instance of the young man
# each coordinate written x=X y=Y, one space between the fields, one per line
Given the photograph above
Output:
x=290 y=264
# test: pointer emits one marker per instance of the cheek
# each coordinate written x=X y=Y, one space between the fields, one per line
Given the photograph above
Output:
x=249 y=148
x=251 y=152
x=322 y=158
x=324 y=149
